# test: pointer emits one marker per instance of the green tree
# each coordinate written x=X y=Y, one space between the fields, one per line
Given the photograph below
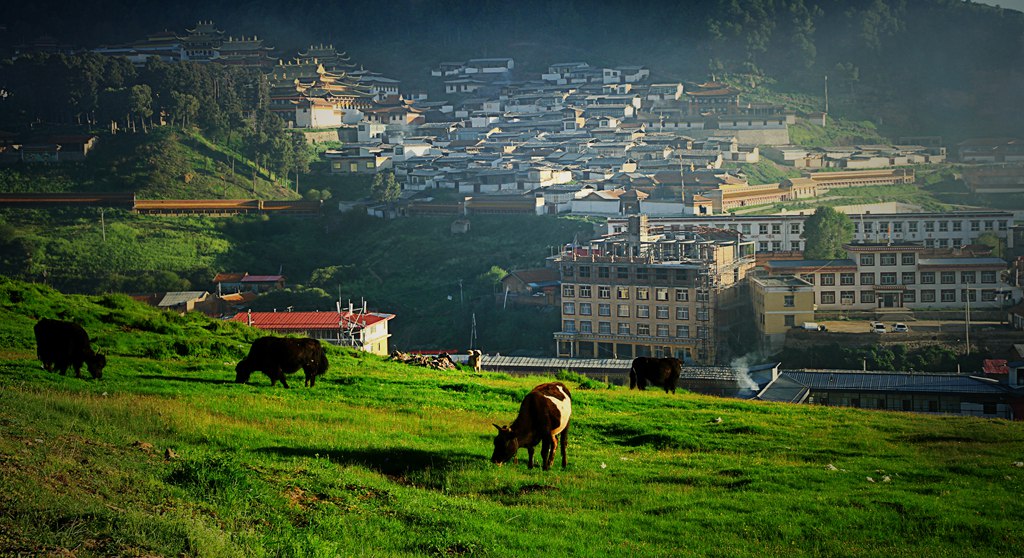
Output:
x=184 y=107
x=826 y=231
x=993 y=241
x=385 y=188
x=140 y=103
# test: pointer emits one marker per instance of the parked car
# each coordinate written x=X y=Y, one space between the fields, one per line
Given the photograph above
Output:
x=900 y=328
x=877 y=327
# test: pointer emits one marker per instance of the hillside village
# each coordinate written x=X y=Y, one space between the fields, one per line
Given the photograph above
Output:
x=662 y=163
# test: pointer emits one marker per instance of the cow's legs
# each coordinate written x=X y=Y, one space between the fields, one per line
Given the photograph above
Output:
x=565 y=442
x=547 y=451
x=529 y=451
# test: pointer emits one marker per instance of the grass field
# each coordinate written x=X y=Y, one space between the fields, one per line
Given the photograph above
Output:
x=166 y=456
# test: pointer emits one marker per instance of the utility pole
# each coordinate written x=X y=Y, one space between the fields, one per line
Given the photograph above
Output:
x=103 y=226
x=824 y=118
x=472 y=333
x=967 y=320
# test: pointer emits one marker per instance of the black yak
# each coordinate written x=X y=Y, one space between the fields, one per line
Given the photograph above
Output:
x=543 y=415
x=277 y=356
x=61 y=344
x=661 y=372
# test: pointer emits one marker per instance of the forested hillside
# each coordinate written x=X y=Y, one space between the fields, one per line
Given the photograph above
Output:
x=941 y=67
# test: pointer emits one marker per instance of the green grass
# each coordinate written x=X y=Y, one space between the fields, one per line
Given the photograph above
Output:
x=383 y=459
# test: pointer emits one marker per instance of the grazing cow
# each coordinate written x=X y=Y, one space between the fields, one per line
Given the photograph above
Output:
x=543 y=415
x=277 y=356
x=62 y=344
x=474 y=359
x=661 y=372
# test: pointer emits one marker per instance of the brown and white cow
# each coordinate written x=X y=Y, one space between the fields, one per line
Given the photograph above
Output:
x=543 y=415
x=661 y=372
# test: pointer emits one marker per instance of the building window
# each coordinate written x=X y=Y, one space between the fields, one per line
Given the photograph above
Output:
x=702 y=295
x=948 y=295
x=968 y=293
x=682 y=295
x=702 y=333
x=787 y=301
x=912 y=227
x=567 y=270
x=907 y=258
x=661 y=274
x=909 y=296
x=867 y=259
x=958 y=226
x=794 y=228
x=789 y=320
x=683 y=331
x=929 y=226
x=897 y=226
x=888 y=278
x=682 y=313
x=867 y=297
x=584 y=271
x=603 y=273
x=585 y=309
x=604 y=309
x=988 y=276
x=927 y=277
x=661 y=294
x=948 y=277
x=828 y=297
x=622 y=272
x=643 y=293
x=867 y=278
x=809 y=277
x=846 y=297
x=661 y=312
x=682 y=275
x=943 y=226
x=967 y=277
x=702 y=314
x=909 y=277
x=828 y=279
x=604 y=328
x=585 y=291
x=662 y=330
x=776 y=228
x=928 y=296
x=643 y=329
x=568 y=291
x=794 y=245
x=975 y=226
x=847 y=279
x=643 y=311
x=642 y=274
x=604 y=291
x=623 y=328
x=568 y=308
x=762 y=246
x=622 y=293
x=762 y=228
x=776 y=246
x=586 y=327
x=887 y=258
x=569 y=326
x=622 y=311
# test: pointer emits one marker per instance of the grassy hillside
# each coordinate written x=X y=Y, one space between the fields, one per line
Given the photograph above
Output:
x=387 y=460
x=165 y=163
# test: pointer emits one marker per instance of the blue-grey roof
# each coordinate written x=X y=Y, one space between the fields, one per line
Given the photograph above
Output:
x=892 y=382
x=786 y=390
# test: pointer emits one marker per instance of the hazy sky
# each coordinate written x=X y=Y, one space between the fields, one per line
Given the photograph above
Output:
x=1009 y=4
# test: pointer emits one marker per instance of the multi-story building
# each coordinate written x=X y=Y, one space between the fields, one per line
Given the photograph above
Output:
x=780 y=304
x=635 y=294
x=781 y=233
x=902 y=275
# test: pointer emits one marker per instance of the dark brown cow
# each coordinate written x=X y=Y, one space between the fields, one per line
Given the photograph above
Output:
x=277 y=356
x=661 y=372
x=543 y=415
x=61 y=344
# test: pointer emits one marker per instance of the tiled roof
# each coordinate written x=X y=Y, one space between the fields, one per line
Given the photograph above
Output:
x=228 y=277
x=892 y=382
x=304 y=321
x=262 y=278
x=181 y=297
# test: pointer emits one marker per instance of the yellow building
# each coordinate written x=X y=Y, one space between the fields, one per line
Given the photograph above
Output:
x=780 y=304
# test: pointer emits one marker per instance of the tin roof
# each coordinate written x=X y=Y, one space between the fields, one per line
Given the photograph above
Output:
x=304 y=321
x=896 y=382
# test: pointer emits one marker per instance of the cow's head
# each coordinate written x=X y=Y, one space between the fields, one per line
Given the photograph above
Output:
x=242 y=371
x=95 y=364
x=505 y=445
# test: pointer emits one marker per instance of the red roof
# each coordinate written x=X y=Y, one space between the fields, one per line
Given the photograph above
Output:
x=305 y=321
x=228 y=277
x=995 y=366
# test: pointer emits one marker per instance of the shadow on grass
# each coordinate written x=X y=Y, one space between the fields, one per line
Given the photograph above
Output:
x=398 y=463
x=184 y=379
